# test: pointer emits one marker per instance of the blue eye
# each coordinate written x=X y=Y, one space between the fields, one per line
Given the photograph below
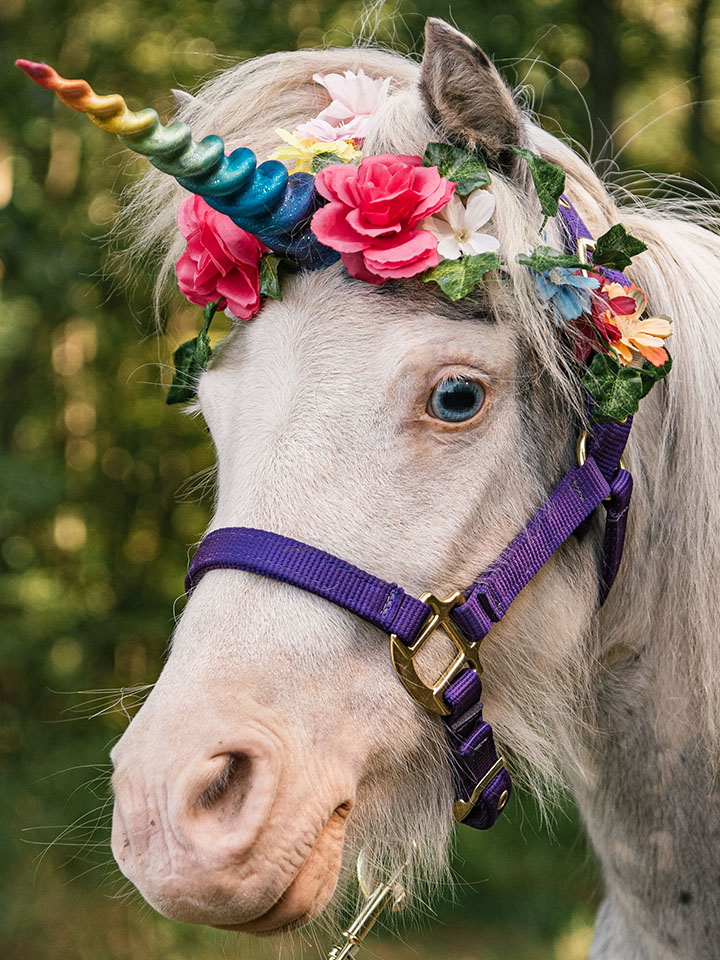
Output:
x=456 y=399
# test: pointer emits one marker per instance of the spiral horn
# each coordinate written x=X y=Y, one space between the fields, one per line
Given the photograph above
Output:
x=264 y=199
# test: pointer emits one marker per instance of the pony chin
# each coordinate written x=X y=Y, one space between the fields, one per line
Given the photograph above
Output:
x=311 y=890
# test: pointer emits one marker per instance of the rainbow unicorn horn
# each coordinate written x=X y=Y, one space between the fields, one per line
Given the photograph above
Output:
x=263 y=199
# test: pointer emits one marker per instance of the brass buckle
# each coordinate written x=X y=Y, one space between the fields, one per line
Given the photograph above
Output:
x=461 y=808
x=402 y=655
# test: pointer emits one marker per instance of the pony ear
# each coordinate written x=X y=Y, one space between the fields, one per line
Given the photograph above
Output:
x=182 y=97
x=466 y=97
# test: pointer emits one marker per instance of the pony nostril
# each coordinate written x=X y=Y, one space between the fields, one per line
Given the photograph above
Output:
x=222 y=803
x=230 y=788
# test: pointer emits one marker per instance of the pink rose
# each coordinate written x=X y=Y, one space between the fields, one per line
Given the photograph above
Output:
x=373 y=213
x=220 y=259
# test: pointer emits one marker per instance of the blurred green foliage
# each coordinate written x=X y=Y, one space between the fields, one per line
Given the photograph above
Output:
x=97 y=511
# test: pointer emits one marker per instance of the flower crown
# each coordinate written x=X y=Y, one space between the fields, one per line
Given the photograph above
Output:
x=387 y=217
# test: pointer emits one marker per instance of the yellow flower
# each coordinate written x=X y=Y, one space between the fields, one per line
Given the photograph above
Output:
x=303 y=150
x=644 y=336
x=637 y=336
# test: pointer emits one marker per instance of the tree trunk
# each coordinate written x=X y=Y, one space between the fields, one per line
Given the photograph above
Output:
x=697 y=134
x=606 y=74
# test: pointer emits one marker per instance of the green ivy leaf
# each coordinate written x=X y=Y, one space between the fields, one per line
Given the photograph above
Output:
x=190 y=360
x=651 y=374
x=269 y=279
x=545 y=258
x=616 y=390
x=468 y=170
x=322 y=160
x=616 y=248
x=549 y=180
x=458 y=278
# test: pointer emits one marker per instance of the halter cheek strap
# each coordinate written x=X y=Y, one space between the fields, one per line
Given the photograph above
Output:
x=481 y=781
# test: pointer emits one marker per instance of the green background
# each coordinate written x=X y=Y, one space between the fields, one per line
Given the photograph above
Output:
x=103 y=486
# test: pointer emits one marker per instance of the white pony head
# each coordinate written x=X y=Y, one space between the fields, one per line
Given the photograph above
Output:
x=277 y=742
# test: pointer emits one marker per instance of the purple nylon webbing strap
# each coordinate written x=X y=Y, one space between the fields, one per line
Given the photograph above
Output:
x=574 y=229
x=572 y=501
x=470 y=737
x=606 y=445
x=383 y=604
x=615 y=523
x=473 y=751
x=387 y=606
x=608 y=440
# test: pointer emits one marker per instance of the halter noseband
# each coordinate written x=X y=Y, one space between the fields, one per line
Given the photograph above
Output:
x=481 y=781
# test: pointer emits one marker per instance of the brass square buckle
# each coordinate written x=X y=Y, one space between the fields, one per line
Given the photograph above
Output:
x=402 y=655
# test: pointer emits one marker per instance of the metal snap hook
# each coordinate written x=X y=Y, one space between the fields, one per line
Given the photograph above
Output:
x=390 y=894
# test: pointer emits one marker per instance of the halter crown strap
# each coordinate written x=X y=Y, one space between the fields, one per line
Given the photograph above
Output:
x=608 y=439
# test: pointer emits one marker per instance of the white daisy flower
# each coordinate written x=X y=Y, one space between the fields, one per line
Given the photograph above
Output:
x=457 y=226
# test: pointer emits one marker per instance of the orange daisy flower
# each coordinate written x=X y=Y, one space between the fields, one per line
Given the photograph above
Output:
x=643 y=337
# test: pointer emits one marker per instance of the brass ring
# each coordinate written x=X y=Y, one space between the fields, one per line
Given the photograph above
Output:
x=581 y=451
x=580 y=448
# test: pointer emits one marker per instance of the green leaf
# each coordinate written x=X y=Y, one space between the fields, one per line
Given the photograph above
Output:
x=651 y=374
x=190 y=360
x=322 y=160
x=545 y=258
x=458 y=278
x=616 y=248
x=468 y=170
x=269 y=279
x=549 y=180
x=616 y=390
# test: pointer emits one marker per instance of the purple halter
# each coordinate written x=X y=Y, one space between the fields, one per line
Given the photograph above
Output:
x=481 y=781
